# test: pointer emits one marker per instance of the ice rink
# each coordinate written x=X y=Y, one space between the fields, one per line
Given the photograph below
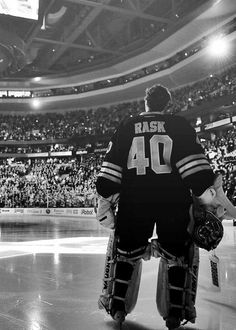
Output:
x=51 y=277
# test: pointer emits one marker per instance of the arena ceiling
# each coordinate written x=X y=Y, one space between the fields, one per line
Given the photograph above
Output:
x=75 y=36
x=79 y=40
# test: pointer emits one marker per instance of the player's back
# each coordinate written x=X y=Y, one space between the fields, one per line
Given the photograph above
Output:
x=149 y=146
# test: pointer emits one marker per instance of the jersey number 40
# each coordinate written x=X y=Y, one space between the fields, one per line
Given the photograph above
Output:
x=160 y=163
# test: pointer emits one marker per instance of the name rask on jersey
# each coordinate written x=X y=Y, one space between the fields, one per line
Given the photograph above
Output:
x=149 y=127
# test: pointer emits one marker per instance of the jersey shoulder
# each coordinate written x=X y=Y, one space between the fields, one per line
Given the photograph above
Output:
x=178 y=125
x=177 y=120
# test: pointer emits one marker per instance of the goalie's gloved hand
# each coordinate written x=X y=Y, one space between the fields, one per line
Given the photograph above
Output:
x=205 y=227
x=106 y=210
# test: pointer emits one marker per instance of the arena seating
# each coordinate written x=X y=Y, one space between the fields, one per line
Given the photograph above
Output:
x=49 y=182
x=104 y=120
x=70 y=182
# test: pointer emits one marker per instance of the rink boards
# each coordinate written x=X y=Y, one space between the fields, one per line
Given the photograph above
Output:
x=83 y=218
x=71 y=212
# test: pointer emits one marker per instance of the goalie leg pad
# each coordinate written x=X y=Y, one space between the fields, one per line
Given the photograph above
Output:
x=121 y=278
x=177 y=286
x=126 y=284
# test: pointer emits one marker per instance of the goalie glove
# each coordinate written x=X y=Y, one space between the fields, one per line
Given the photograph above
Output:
x=106 y=210
x=205 y=228
x=206 y=214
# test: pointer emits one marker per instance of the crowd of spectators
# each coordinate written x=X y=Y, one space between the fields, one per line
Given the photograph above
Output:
x=70 y=182
x=209 y=89
x=103 y=121
x=51 y=182
x=48 y=126
x=221 y=153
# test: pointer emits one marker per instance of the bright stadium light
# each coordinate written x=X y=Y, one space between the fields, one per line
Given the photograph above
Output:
x=36 y=103
x=37 y=79
x=218 y=46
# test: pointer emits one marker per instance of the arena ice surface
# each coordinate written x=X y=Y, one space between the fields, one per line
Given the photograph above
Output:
x=51 y=277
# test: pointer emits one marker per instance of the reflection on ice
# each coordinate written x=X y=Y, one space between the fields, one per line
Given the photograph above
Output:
x=53 y=282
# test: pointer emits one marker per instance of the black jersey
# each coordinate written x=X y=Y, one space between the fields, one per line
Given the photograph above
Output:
x=154 y=157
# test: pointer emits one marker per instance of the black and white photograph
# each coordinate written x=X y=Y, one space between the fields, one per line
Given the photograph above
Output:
x=117 y=164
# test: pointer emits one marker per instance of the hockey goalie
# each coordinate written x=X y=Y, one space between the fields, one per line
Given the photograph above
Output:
x=155 y=173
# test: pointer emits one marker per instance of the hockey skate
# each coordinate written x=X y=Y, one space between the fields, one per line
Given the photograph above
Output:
x=172 y=322
x=118 y=316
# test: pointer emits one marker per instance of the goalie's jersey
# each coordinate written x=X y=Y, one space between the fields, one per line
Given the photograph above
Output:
x=154 y=157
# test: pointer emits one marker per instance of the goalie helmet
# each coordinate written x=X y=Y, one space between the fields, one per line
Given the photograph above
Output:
x=206 y=229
